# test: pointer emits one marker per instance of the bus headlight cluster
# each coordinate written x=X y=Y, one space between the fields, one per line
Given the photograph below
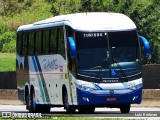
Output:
x=135 y=87
x=85 y=86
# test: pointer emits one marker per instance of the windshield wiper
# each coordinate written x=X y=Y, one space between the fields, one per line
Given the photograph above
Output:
x=121 y=70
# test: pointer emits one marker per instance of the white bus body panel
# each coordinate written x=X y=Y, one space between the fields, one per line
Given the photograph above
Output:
x=96 y=21
x=48 y=73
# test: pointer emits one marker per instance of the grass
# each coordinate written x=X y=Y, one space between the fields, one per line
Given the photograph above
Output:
x=7 y=62
x=83 y=118
x=71 y=118
x=38 y=11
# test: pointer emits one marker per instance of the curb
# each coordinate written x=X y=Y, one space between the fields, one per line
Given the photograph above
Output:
x=8 y=94
x=151 y=94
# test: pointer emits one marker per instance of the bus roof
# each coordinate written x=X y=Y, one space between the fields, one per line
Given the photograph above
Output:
x=91 y=21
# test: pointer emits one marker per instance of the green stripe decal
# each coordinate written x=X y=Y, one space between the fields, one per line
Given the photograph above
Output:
x=42 y=79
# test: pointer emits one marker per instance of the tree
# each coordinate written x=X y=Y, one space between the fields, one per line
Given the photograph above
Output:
x=56 y=6
x=10 y=7
x=145 y=15
x=148 y=24
x=86 y=6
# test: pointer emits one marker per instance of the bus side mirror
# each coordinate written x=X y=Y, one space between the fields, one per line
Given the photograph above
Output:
x=72 y=46
x=146 y=45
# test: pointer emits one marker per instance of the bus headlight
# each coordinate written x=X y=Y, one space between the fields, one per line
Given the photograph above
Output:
x=135 y=87
x=86 y=86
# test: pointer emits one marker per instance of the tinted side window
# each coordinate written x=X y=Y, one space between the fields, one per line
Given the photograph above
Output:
x=25 y=43
x=61 y=48
x=53 y=41
x=31 y=45
x=38 y=42
x=19 y=43
x=45 y=42
x=69 y=31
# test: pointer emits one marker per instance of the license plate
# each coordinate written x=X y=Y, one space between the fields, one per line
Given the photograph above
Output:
x=111 y=99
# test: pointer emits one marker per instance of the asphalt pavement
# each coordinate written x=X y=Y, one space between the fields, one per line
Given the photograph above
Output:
x=19 y=111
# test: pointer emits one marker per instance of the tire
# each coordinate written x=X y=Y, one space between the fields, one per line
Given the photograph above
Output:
x=125 y=108
x=27 y=102
x=69 y=109
x=86 y=109
x=44 y=109
x=32 y=102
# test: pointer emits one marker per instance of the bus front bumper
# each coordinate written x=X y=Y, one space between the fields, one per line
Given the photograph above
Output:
x=88 y=98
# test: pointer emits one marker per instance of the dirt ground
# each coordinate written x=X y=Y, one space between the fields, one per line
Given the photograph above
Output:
x=145 y=102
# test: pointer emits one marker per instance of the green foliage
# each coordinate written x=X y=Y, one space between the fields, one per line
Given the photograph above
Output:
x=146 y=17
x=2 y=28
x=82 y=118
x=5 y=38
x=27 y=11
x=91 y=6
x=144 y=13
x=63 y=6
x=7 y=62
x=9 y=23
x=9 y=47
x=7 y=6
x=86 y=5
x=11 y=7
x=29 y=3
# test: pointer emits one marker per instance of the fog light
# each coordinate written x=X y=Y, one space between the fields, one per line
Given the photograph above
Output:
x=86 y=99
x=135 y=97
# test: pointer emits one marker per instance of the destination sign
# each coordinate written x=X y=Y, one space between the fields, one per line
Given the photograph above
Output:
x=97 y=34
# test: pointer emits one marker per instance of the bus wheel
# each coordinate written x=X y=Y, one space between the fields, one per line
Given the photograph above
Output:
x=32 y=102
x=125 y=108
x=86 y=109
x=44 y=109
x=27 y=102
x=69 y=109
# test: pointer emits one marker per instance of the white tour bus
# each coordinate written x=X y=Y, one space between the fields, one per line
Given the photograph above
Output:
x=80 y=61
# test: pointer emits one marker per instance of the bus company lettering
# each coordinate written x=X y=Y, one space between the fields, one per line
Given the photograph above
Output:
x=50 y=64
x=110 y=81
x=93 y=35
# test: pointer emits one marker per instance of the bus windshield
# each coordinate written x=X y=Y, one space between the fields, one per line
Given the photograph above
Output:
x=102 y=56
x=124 y=46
